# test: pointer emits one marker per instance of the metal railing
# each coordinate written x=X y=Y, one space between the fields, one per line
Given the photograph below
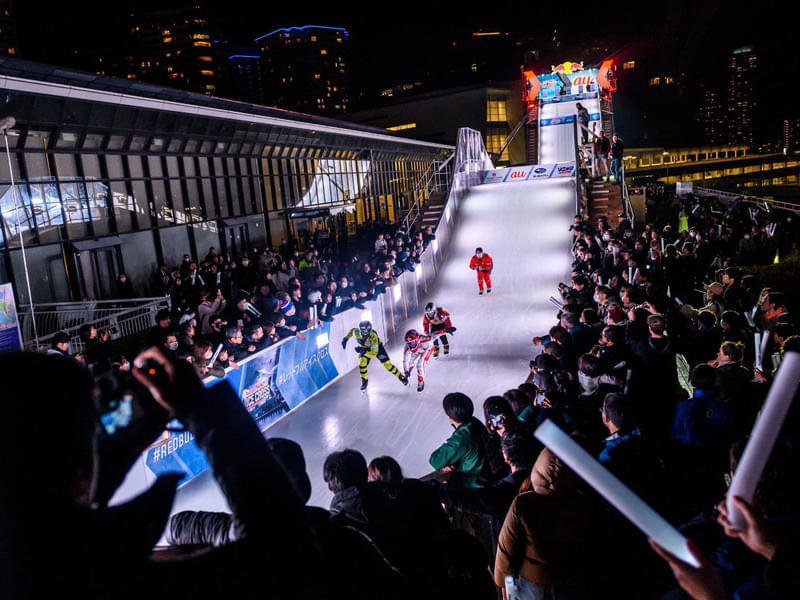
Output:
x=435 y=178
x=759 y=201
x=121 y=317
x=626 y=199
x=579 y=183
x=496 y=156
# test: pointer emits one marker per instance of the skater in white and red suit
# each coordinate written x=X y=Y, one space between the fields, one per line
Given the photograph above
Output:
x=417 y=352
x=435 y=323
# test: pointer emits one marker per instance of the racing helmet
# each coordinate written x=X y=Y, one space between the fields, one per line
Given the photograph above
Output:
x=365 y=327
x=412 y=338
x=430 y=310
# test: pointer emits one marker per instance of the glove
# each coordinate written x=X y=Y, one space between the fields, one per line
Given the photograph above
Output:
x=361 y=349
x=450 y=330
x=344 y=342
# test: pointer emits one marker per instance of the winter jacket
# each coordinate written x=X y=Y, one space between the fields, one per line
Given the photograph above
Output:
x=544 y=535
x=484 y=263
x=464 y=451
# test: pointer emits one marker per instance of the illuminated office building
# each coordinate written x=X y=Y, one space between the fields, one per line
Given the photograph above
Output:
x=306 y=69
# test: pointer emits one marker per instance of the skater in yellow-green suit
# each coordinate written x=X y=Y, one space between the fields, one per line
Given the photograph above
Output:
x=369 y=347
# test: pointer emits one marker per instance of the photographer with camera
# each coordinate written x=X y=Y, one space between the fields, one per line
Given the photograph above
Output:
x=54 y=507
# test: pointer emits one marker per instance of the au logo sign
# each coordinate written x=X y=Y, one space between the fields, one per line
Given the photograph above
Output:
x=518 y=174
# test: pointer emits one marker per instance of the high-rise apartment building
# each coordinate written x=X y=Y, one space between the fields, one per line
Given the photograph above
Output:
x=742 y=101
x=711 y=119
x=175 y=48
x=244 y=71
x=306 y=68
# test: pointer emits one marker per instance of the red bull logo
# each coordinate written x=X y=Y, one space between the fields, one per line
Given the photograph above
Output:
x=567 y=67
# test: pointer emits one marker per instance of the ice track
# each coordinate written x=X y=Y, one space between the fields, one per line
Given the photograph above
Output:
x=524 y=227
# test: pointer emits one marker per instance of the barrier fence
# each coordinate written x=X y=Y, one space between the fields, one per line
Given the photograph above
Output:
x=273 y=382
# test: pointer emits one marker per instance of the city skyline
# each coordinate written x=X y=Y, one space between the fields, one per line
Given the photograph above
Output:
x=427 y=48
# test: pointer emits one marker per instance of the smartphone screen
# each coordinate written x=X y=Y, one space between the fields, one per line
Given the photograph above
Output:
x=119 y=416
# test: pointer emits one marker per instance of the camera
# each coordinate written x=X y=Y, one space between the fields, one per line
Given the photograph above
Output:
x=496 y=420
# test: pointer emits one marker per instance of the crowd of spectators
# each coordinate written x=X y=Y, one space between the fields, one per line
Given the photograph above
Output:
x=650 y=365
x=225 y=308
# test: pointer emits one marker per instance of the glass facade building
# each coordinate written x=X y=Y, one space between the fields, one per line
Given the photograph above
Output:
x=118 y=176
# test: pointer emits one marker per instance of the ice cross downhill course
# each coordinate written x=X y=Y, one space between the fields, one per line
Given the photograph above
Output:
x=524 y=227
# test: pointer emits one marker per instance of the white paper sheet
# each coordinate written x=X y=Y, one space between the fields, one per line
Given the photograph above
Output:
x=764 y=434
x=616 y=492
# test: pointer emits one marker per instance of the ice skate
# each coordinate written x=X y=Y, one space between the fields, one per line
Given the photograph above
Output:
x=364 y=385
x=480 y=292
x=420 y=386
x=489 y=291
x=403 y=379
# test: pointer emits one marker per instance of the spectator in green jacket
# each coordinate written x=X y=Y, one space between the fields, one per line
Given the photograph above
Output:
x=463 y=454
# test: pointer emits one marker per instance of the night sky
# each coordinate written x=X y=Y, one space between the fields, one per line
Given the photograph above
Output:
x=696 y=35
x=417 y=28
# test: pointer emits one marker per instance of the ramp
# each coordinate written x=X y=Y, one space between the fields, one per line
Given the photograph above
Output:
x=557 y=139
x=524 y=227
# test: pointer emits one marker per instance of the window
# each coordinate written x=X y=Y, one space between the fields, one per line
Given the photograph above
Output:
x=206 y=72
x=631 y=64
x=495 y=138
x=199 y=36
x=204 y=58
x=402 y=127
x=323 y=51
x=496 y=109
x=655 y=81
x=669 y=80
x=202 y=44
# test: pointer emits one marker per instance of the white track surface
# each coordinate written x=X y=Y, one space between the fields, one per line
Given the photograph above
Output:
x=524 y=227
x=555 y=141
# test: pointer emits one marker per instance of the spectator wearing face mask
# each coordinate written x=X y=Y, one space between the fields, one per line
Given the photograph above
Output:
x=124 y=287
x=244 y=277
x=169 y=343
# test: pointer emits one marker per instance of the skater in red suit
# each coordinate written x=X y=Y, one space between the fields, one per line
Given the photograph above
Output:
x=482 y=263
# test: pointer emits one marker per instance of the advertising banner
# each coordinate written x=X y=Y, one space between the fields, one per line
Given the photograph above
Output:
x=529 y=172
x=565 y=119
x=10 y=335
x=269 y=384
x=570 y=98
x=278 y=379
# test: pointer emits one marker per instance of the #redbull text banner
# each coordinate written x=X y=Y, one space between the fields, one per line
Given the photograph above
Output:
x=269 y=384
